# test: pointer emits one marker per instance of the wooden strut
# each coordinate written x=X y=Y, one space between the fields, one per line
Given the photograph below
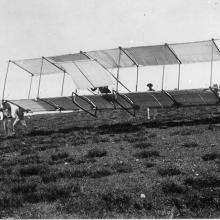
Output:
x=179 y=61
x=211 y=67
x=22 y=67
x=58 y=67
x=128 y=101
x=42 y=62
x=25 y=71
x=177 y=104
x=84 y=53
x=51 y=103
x=215 y=95
x=119 y=59
x=163 y=76
x=64 y=74
x=29 y=92
x=6 y=76
x=88 y=101
x=135 y=63
x=83 y=74
x=156 y=100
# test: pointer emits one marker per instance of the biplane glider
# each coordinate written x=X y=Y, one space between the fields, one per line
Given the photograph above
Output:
x=92 y=70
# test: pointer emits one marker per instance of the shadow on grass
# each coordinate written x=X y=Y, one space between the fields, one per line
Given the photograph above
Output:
x=149 y=164
x=142 y=145
x=122 y=167
x=187 y=131
x=59 y=155
x=202 y=182
x=171 y=187
x=169 y=171
x=102 y=172
x=211 y=156
x=33 y=169
x=95 y=152
x=190 y=144
x=118 y=128
x=147 y=154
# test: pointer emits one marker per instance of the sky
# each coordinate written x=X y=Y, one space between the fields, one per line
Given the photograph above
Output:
x=30 y=29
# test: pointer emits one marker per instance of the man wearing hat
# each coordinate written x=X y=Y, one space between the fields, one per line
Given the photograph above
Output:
x=150 y=87
x=154 y=111
x=7 y=118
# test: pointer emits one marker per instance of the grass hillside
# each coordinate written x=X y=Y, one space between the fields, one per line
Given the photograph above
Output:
x=116 y=166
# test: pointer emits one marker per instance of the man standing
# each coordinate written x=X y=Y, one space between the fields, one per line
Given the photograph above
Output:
x=7 y=118
x=154 y=111
x=19 y=120
x=150 y=87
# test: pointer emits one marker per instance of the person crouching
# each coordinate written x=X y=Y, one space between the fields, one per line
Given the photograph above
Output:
x=19 y=121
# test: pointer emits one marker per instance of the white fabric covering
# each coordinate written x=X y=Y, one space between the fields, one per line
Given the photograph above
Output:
x=87 y=74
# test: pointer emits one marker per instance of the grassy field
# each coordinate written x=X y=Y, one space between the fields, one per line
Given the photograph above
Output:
x=117 y=166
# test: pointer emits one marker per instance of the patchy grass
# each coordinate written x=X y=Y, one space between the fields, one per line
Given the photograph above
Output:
x=190 y=144
x=147 y=154
x=72 y=173
x=118 y=128
x=8 y=200
x=27 y=151
x=28 y=186
x=202 y=182
x=99 y=139
x=210 y=156
x=149 y=164
x=122 y=167
x=45 y=147
x=95 y=180
x=171 y=187
x=152 y=135
x=142 y=145
x=98 y=205
x=59 y=156
x=33 y=169
x=169 y=171
x=54 y=191
x=96 y=153
x=30 y=159
x=135 y=139
x=102 y=172
x=187 y=131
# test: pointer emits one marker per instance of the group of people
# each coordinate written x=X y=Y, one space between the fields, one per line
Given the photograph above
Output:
x=12 y=125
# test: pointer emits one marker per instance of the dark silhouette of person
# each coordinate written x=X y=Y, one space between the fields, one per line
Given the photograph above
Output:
x=150 y=87
x=152 y=110
x=106 y=94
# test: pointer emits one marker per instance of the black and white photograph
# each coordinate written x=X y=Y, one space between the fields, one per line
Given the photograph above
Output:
x=110 y=109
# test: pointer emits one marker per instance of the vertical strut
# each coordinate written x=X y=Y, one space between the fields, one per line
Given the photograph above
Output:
x=136 y=88
x=179 y=78
x=163 y=76
x=30 y=87
x=211 y=67
x=119 y=58
x=135 y=63
x=64 y=74
x=6 y=76
x=42 y=61
x=179 y=61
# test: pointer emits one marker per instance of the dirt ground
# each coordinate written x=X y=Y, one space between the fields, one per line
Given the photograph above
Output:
x=116 y=166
